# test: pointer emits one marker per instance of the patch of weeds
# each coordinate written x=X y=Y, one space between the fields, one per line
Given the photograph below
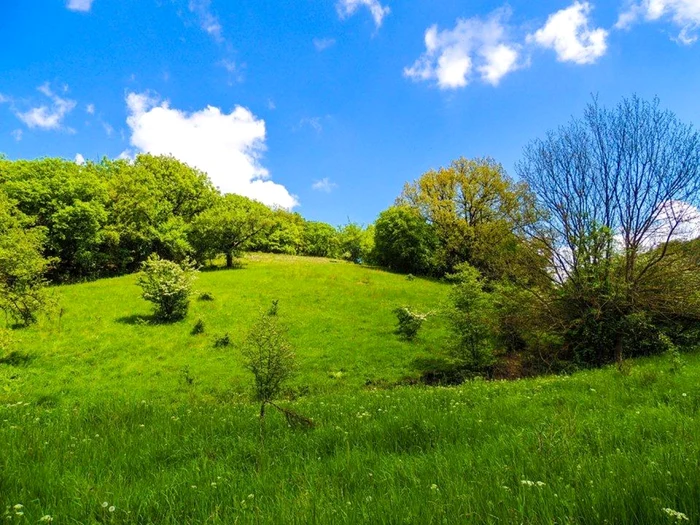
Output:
x=47 y=401
x=187 y=378
x=205 y=296
x=198 y=327
x=222 y=341
x=274 y=308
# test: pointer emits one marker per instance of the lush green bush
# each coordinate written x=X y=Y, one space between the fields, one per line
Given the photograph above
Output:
x=168 y=285
x=474 y=321
x=356 y=242
x=404 y=241
x=409 y=321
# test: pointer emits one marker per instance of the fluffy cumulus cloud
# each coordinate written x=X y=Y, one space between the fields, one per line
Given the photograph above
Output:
x=47 y=116
x=569 y=34
x=683 y=13
x=347 y=8
x=79 y=5
x=473 y=47
x=227 y=146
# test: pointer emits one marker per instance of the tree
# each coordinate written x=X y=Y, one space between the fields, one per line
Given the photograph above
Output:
x=475 y=210
x=473 y=319
x=356 y=242
x=229 y=227
x=320 y=240
x=69 y=202
x=269 y=357
x=617 y=187
x=22 y=266
x=404 y=241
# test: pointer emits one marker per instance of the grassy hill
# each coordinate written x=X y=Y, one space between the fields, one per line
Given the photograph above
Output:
x=339 y=317
x=100 y=425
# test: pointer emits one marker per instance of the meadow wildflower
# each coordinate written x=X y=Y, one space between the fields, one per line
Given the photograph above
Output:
x=678 y=516
x=112 y=508
x=46 y=519
x=105 y=504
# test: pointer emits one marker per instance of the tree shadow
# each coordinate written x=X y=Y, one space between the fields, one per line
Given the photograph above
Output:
x=16 y=359
x=439 y=371
x=237 y=265
x=139 y=320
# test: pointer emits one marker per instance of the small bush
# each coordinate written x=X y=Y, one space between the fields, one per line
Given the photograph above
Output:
x=274 y=308
x=268 y=355
x=168 y=286
x=410 y=322
x=222 y=341
x=198 y=327
x=205 y=296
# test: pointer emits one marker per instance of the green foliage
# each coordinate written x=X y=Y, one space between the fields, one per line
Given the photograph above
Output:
x=409 y=321
x=474 y=322
x=320 y=240
x=268 y=355
x=22 y=267
x=404 y=241
x=229 y=227
x=356 y=242
x=168 y=285
x=475 y=210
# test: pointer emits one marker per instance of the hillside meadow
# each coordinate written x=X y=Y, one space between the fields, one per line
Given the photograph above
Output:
x=106 y=417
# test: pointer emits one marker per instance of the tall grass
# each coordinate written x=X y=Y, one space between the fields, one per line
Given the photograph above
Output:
x=596 y=447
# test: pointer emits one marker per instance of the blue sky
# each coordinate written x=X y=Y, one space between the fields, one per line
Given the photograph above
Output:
x=328 y=106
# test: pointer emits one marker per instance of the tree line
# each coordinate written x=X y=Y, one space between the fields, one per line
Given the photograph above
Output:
x=590 y=256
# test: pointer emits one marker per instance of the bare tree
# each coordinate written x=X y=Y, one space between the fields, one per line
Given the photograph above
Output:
x=617 y=189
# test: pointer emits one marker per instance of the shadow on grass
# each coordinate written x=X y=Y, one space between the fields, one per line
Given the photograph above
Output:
x=16 y=359
x=218 y=268
x=144 y=320
x=438 y=371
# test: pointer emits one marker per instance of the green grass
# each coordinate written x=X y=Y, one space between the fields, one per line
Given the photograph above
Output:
x=605 y=447
x=339 y=317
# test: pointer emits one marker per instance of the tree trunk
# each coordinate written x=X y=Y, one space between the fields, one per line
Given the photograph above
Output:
x=229 y=259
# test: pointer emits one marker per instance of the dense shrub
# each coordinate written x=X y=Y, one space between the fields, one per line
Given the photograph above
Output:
x=474 y=322
x=168 y=285
x=410 y=322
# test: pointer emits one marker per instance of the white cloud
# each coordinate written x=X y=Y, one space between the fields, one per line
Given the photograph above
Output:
x=325 y=185
x=79 y=5
x=47 y=117
x=79 y=159
x=683 y=13
x=90 y=109
x=321 y=44
x=17 y=134
x=207 y=20
x=3 y=99
x=567 y=32
x=453 y=55
x=227 y=146
x=347 y=8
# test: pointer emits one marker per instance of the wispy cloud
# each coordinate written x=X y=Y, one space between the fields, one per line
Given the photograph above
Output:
x=347 y=8
x=208 y=21
x=324 y=185
x=685 y=14
x=321 y=44
x=79 y=5
x=312 y=122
